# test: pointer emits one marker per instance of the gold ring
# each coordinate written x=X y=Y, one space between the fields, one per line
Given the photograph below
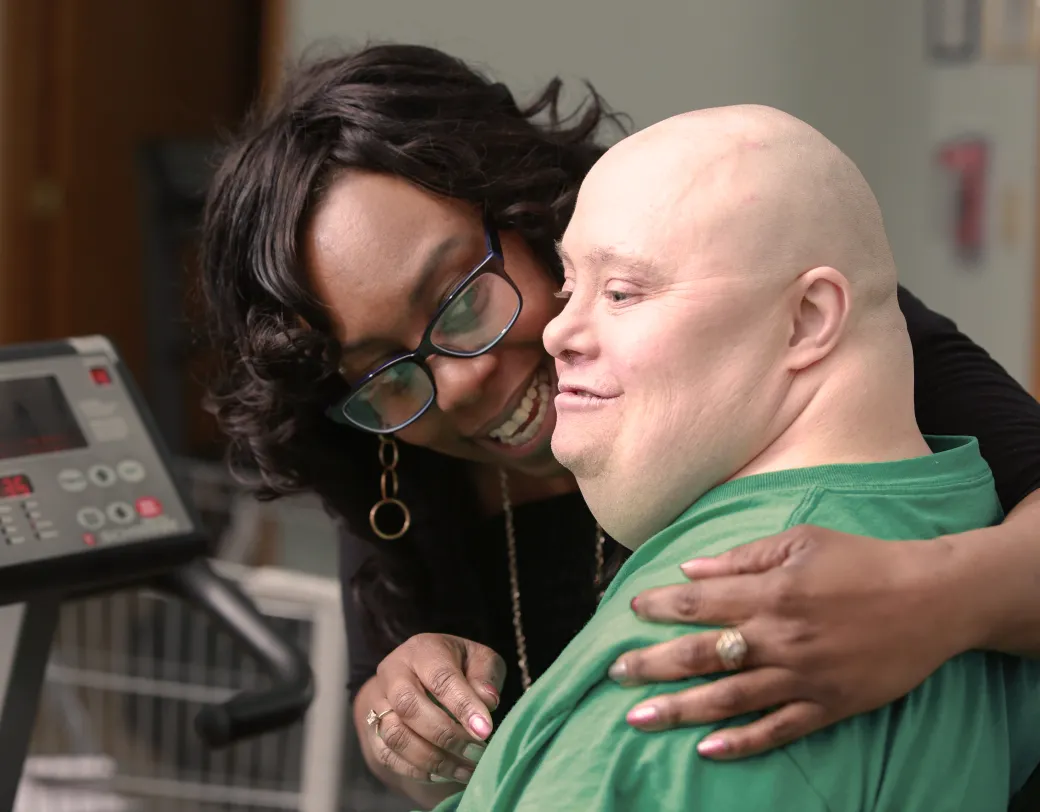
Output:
x=732 y=648
x=374 y=718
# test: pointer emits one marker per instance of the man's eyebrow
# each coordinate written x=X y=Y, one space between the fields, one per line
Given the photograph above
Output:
x=608 y=257
x=425 y=278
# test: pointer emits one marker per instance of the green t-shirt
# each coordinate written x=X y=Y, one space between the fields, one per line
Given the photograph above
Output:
x=964 y=740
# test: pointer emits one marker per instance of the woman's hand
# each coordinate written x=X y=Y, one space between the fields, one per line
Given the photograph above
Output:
x=835 y=625
x=419 y=739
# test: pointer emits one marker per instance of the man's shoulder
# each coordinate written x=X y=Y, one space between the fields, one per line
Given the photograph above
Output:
x=596 y=761
x=948 y=491
x=712 y=529
x=905 y=513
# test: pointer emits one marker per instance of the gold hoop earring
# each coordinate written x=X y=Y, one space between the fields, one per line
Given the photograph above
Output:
x=389 y=496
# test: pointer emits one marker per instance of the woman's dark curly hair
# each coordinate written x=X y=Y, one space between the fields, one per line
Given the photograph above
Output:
x=419 y=114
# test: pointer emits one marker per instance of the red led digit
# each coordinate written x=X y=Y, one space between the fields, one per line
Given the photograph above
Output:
x=16 y=485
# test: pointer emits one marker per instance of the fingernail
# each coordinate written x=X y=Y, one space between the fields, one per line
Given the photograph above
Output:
x=642 y=716
x=712 y=747
x=463 y=774
x=479 y=725
x=618 y=671
x=440 y=779
x=490 y=689
x=691 y=569
x=473 y=752
x=634 y=604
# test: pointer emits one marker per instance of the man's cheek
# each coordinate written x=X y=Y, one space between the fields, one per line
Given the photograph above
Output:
x=643 y=362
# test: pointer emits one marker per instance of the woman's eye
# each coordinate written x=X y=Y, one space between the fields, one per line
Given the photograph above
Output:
x=465 y=312
x=392 y=382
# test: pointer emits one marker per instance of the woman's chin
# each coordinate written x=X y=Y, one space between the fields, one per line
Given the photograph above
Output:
x=534 y=456
x=536 y=459
x=543 y=464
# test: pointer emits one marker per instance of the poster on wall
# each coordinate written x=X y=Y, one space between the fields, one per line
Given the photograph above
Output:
x=1011 y=30
x=952 y=29
x=963 y=165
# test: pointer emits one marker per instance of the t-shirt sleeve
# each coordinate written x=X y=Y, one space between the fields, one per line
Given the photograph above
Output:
x=362 y=660
x=596 y=762
x=959 y=389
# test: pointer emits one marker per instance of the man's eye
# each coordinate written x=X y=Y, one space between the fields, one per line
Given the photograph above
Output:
x=617 y=296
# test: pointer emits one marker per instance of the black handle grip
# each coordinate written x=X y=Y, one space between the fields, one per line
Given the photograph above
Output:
x=250 y=713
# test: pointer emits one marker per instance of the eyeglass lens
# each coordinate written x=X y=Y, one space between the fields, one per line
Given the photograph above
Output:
x=477 y=317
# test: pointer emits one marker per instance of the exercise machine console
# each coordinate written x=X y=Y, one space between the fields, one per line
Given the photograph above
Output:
x=89 y=503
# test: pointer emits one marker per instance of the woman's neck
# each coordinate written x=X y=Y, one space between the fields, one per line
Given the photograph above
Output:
x=523 y=488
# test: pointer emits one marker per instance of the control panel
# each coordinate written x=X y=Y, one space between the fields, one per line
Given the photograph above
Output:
x=87 y=497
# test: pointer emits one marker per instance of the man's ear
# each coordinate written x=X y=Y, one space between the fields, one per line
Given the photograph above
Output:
x=820 y=308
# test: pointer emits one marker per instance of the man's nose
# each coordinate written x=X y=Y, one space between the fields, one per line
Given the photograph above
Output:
x=568 y=336
x=461 y=381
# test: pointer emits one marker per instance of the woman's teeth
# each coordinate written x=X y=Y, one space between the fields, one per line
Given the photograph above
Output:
x=524 y=423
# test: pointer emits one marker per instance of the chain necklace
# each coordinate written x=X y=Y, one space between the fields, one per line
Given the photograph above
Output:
x=514 y=579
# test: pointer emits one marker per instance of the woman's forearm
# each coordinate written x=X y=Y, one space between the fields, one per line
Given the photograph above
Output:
x=996 y=580
x=425 y=795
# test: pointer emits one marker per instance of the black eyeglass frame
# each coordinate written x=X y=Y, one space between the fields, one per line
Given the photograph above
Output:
x=492 y=263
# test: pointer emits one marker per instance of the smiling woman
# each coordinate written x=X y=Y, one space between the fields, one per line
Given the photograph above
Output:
x=361 y=241
x=397 y=215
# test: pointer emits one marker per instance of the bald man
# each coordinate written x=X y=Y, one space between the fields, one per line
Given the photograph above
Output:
x=732 y=362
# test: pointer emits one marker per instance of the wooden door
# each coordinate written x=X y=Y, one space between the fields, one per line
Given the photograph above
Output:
x=83 y=84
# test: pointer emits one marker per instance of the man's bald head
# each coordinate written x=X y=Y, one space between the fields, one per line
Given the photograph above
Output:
x=728 y=274
x=751 y=191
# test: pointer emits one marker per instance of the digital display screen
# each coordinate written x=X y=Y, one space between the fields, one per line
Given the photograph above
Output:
x=36 y=419
x=14 y=485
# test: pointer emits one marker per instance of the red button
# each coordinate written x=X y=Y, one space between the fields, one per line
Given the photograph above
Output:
x=101 y=376
x=149 y=507
x=89 y=540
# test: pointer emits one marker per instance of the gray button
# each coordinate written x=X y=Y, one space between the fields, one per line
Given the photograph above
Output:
x=121 y=513
x=102 y=476
x=48 y=534
x=72 y=480
x=110 y=429
x=15 y=540
x=130 y=471
x=90 y=518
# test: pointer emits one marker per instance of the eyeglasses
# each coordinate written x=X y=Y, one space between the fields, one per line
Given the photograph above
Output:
x=474 y=318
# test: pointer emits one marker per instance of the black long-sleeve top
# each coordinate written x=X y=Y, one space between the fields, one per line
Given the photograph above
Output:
x=959 y=389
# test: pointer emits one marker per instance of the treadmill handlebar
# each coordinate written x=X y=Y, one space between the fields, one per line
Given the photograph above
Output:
x=249 y=713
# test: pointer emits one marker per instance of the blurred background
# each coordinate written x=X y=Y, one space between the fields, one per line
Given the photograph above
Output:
x=110 y=112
